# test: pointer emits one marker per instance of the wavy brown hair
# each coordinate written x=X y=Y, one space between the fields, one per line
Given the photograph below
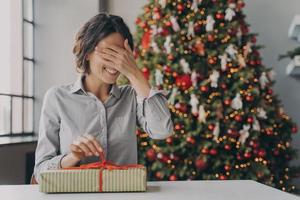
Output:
x=92 y=32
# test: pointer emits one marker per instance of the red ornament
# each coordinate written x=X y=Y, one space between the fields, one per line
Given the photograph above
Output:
x=223 y=86
x=227 y=147
x=222 y=177
x=164 y=32
x=151 y=154
x=173 y=178
x=191 y=140
x=270 y=91
x=200 y=164
x=170 y=57
x=253 y=39
x=211 y=127
x=184 y=81
x=250 y=120
x=146 y=72
x=205 y=150
x=232 y=132
x=227 y=102
x=168 y=23
x=213 y=152
x=220 y=15
x=258 y=62
x=210 y=37
x=169 y=140
x=262 y=153
x=252 y=62
x=247 y=155
x=212 y=60
x=146 y=40
x=158 y=175
x=156 y=9
x=180 y=7
x=138 y=20
x=249 y=98
x=204 y=88
x=167 y=69
x=181 y=107
x=238 y=118
x=294 y=129
x=269 y=131
x=227 y=167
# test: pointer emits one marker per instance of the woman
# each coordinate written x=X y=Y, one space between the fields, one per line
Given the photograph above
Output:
x=93 y=115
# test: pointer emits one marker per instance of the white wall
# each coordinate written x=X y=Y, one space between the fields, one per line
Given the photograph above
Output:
x=57 y=22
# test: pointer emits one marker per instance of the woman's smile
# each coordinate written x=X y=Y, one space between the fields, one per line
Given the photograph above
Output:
x=111 y=71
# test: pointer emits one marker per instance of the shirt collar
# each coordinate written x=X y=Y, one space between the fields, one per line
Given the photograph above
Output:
x=78 y=85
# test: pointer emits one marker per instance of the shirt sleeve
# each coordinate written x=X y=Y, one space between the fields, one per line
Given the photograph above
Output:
x=48 y=148
x=153 y=114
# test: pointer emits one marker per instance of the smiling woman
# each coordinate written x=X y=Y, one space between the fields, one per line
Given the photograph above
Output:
x=94 y=115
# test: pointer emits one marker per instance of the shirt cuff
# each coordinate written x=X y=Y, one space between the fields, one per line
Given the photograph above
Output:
x=153 y=91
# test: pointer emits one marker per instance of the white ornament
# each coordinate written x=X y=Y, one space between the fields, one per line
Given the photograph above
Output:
x=255 y=125
x=163 y=3
x=194 y=78
x=224 y=59
x=210 y=22
x=263 y=80
x=230 y=12
x=194 y=6
x=155 y=47
x=158 y=77
x=261 y=113
x=214 y=79
x=194 y=103
x=237 y=102
x=191 y=31
x=244 y=134
x=202 y=114
x=247 y=49
x=167 y=44
x=241 y=60
x=159 y=155
x=216 y=131
x=154 y=30
x=271 y=75
x=173 y=94
x=175 y=24
x=185 y=66
x=231 y=51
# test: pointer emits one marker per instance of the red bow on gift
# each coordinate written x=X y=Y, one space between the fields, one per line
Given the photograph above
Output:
x=104 y=165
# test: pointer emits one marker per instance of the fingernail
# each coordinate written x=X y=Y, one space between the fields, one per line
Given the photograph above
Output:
x=90 y=154
x=97 y=154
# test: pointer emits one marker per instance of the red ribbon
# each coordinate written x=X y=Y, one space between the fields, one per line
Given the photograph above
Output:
x=104 y=165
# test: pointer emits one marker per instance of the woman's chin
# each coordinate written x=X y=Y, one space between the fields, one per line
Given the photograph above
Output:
x=109 y=80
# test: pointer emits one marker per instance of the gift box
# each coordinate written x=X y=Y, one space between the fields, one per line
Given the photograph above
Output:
x=95 y=177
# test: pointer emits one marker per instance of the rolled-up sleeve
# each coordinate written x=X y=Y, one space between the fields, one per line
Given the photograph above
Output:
x=153 y=114
x=47 y=151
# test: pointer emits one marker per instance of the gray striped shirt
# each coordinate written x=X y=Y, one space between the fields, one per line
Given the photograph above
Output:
x=69 y=111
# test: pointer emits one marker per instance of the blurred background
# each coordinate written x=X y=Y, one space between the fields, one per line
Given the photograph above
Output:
x=36 y=52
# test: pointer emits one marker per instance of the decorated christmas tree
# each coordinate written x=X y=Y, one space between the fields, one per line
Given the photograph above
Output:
x=228 y=122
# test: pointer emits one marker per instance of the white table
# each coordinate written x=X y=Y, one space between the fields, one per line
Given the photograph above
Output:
x=188 y=190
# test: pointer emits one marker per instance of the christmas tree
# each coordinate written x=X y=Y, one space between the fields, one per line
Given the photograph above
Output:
x=228 y=123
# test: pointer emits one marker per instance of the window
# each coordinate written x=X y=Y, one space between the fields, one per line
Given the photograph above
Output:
x=16 y=67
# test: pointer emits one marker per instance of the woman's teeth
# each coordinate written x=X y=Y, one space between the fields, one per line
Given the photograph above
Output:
x=111 y=70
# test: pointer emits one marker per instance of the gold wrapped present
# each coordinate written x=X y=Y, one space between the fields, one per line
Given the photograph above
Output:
x=95 y=177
